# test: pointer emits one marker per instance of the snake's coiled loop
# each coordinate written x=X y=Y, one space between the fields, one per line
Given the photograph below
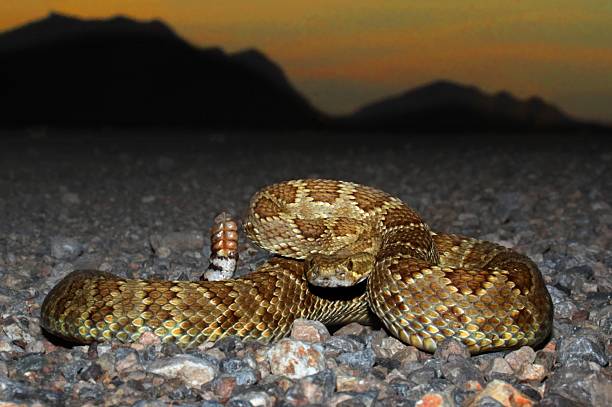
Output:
x=423 y=286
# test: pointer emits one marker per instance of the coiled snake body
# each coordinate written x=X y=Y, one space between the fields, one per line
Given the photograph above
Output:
x=423 y=286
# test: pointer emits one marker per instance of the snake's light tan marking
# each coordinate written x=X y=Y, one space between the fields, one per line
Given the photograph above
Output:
x=424 y=286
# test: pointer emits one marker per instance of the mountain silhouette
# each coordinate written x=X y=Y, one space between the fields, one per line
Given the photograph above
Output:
x=65 y=71
x=449 y=106
x=57 y=27
x=62 y=70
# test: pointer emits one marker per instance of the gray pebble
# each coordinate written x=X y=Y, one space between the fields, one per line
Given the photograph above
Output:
x=387 y=346
x=343 y=344
x=556 y=400
x=363 y=359
x=191 y=370
x=409 y=391
x=577 y=382
x=460 y=371
x=309 y=331
x=353 y=399
x=313 y=389
x=423 y=375
x=451 y=348
x=65 y=248
x=581 y=347
x=295 y=359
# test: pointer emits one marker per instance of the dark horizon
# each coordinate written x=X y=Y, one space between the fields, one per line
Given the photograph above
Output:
x=346 y=54
x=163 y=79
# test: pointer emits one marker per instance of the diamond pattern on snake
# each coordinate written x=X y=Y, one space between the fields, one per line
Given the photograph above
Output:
x=424 y=286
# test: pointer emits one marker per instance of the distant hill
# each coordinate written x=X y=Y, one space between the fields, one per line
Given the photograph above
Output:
x=67 y=71
x=453 y=107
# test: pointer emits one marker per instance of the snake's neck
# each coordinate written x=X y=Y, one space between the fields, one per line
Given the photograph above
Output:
x=338 y=305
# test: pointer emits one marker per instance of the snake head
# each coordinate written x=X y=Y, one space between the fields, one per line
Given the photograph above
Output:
x=338 y=271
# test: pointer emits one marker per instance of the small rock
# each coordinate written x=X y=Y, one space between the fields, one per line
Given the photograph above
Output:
x=295 y=359
x=314 y=389
x=556 y=400
x=581 y=347
x=348 y=382
x=352 y=329
x=407 y=367
x=215 y=353
x=565 y=309
x=17 y=334
x=578 y=381
x=245 y=377
x=365 y=399
x=462 y=373
x=163 y=252
x=546 y=359
x=255 y=399
x=556 y=294
x=363 y=360
x=193 y=371
x=435 y=400
x=65 y=248
x=573 y=278
x=504 y=394
x=532 y=390
x=104 y=266
x=500 y=365
x=589 y=287
x=342 y=344
x=242 y=370
x=93 y=372
x=521 y=357
x=451 y=348
x=127 y=361
x=223 y=387
x=35 y=347
x=408 y=391
x=531 y=372
x=423 y=375
x=309 y=331
x=387 y=347
x=229 y=344
x=408 y=355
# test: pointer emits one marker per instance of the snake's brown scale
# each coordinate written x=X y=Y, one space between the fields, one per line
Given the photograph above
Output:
x=424 y=286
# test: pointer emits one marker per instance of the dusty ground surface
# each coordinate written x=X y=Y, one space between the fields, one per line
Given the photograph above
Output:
x=143 y=209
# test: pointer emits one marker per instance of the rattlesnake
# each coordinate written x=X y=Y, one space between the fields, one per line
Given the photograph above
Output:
x=423 y=286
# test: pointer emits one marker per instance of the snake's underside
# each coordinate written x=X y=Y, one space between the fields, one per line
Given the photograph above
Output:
x=423 y=286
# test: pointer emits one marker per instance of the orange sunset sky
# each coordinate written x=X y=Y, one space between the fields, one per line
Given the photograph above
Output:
x=344 y=53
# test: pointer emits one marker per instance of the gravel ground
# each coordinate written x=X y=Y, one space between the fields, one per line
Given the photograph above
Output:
x=143 y=210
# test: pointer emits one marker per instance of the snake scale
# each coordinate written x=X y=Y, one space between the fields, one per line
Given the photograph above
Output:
x=423 y=286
